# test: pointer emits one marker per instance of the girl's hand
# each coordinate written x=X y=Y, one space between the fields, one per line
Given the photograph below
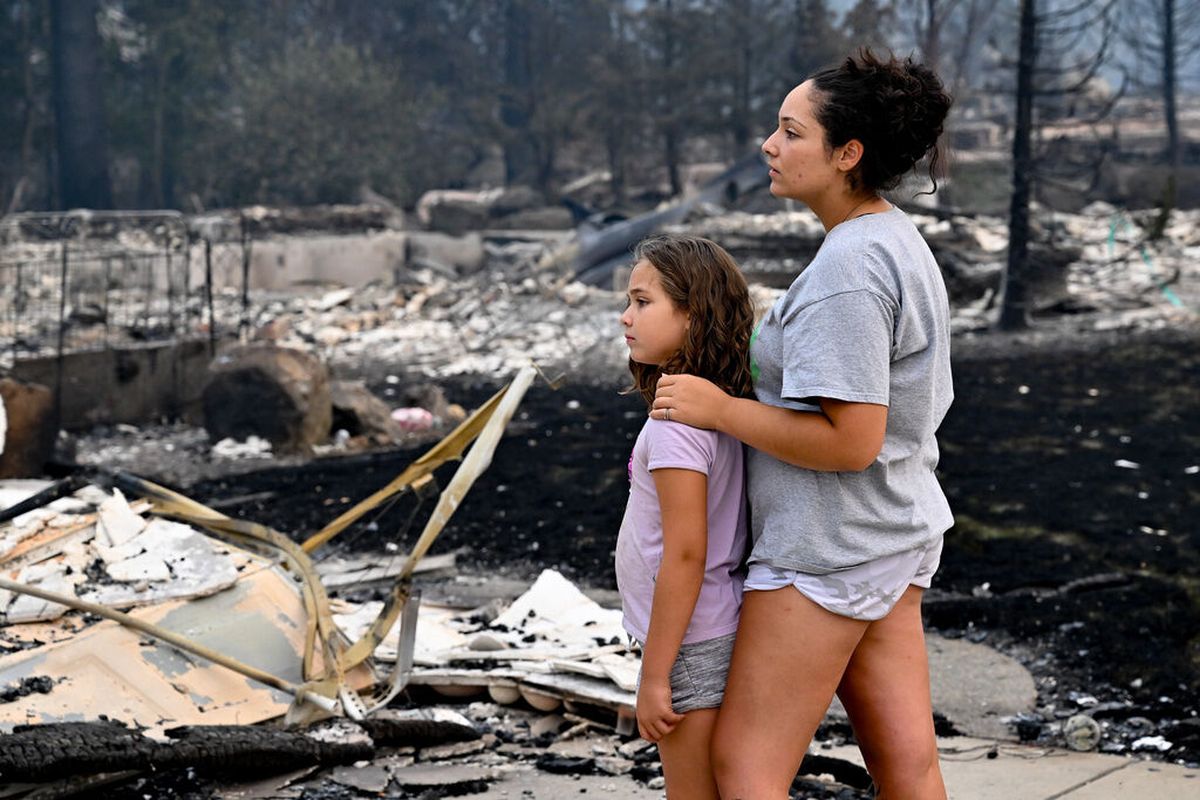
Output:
x=691 y=400
x=654 y=715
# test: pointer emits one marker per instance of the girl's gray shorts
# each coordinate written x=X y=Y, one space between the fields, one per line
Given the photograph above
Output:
x=867 y=591
x=698 y=676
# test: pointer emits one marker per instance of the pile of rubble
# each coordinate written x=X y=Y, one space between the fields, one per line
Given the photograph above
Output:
x=551 y=642
x=101 y=549
x=354 y=368
x=486 y=326
x=488 y=283
x=1096 y=262
x=1098 y=272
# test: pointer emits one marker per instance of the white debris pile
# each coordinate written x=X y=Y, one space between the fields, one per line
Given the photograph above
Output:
x=1119 y=278
x=484 y=325
x=252 y=447
x=100 y=548
x=516 y=301
x=1119 y=268
x=516 y=308
x=552 y=644
x=176 y=452
x=493 y=334
x=63 y=664
x=787 y=228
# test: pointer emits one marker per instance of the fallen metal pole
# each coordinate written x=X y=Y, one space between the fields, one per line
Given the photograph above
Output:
x=476 y=461
x=473 y=465
x=449 y=448
x=46 y=496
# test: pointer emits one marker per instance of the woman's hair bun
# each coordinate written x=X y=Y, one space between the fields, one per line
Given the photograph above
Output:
x=896 y=107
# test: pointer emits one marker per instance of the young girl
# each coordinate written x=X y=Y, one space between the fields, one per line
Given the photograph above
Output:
x=683 y=538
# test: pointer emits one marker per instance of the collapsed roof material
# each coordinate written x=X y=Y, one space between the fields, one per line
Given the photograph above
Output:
x=316 y=662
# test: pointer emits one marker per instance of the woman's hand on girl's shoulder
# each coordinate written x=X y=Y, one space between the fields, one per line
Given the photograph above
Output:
x=691 y=400
x=654 y=713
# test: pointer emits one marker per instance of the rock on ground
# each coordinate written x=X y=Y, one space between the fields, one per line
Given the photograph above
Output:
x=277 y=393
x=359 y=412
x=28 y=441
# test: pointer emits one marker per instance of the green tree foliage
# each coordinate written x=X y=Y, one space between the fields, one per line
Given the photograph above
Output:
x=614 y=102
x=544 y=93
x=312 y=125
x=867 y=22
x=749 y=74
x=81 y=126
x=25 y=96
x=817 y=40
x=676 y=54
x=171 y=76
x=223 y=102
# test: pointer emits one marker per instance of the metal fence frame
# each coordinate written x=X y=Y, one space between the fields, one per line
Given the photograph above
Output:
x=87 y=281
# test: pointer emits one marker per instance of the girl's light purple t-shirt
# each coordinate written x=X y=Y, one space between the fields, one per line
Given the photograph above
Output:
x=673 y=445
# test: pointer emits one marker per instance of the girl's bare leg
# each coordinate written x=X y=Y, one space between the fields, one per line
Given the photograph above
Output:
x=886 y=694
x=788 y=659
x=686 y=764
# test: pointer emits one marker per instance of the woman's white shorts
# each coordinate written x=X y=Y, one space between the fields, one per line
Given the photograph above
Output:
x=867 y=591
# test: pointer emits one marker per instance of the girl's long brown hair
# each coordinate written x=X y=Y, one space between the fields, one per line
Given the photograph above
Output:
x=703 y=281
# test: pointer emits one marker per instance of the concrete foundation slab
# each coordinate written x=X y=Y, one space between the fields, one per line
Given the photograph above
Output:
x=976 y=687
x=1038 y=773
x=973 y=686
x=130 y=385
x=355 y=260
x=532 y=782
x=1142 y=779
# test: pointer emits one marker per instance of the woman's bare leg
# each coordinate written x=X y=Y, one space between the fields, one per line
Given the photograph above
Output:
x=788 y=659
x=686 y=764
x=886 y=694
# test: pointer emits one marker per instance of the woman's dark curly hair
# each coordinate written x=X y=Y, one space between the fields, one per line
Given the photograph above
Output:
x=703 y=281
x=896 y=108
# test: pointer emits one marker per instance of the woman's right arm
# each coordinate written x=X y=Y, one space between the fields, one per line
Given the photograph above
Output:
x=841 y=437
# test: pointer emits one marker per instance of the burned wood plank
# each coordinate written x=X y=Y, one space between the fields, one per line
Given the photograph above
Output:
x=240 y=500
x=418 y=727
x=39 y=752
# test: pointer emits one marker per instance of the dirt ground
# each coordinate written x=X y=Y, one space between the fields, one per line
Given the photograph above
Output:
x=1070 y=467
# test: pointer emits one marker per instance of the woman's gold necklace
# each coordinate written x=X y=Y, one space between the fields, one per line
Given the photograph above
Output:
x=857 y=207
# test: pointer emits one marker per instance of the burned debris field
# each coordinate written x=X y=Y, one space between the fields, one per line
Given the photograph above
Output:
x=1067 y=587
x=1071 y=468
x=316 y=424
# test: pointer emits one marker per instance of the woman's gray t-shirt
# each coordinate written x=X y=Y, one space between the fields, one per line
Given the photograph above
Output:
x=868 y=322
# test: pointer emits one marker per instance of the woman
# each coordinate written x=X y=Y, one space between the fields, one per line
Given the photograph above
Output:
x=852 y=379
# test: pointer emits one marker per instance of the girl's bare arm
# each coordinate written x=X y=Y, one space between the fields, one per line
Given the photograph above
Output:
x=842 y=437
x=682 y=496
